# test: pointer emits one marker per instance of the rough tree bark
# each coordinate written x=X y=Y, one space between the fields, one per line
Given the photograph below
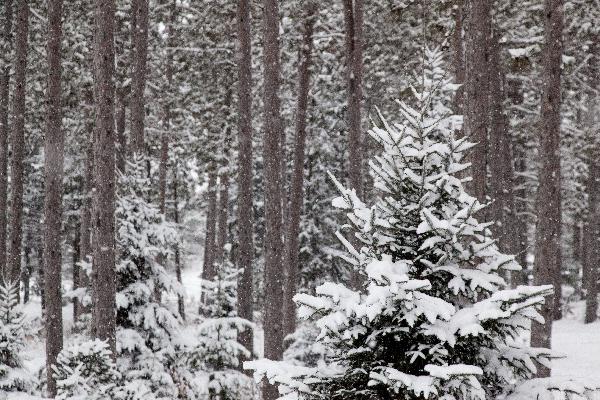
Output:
x=223 y=208
x=547 y=264
x=103 y=273
x=501 y=183
x=4 y=107
x=296 y=190
x=53 y=177
x=138 y=80
x=18 y=140
x=458 y=55
x=476 y=106
x=592 y=232
x=208 y=269
x=273 y=314
x=180 y=300
x=244 y=206
x=353 y=22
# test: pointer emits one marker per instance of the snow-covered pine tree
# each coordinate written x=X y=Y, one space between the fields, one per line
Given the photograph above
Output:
x=217 y=353
x=86 y=371
x=13 y=377
x=434 y=318
x=147 y=328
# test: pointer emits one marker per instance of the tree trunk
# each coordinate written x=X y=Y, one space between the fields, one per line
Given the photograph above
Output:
x=54 y=172
x=476 y=111
x=76 y=257
x=353 y=22
x=221 y=237
x=18 y=140
x=103 y=285
x=85 y=236
x=297 y=184
x=26 y=276
x=547 y=265
x=272 y=178
x=592 y=233
x=245 y=206
x=4 y=107
x=208 y=269
x=180 y=300
x=458 y=55
x=138 y=80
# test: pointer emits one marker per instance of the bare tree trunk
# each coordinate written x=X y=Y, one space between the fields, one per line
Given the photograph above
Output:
x=103 y=274
x=18 y=140
x=592 y=233
x=245 y=207
x=85 y=236
x=476 y=111
x=458 y=55
x=180 y=300
x=4 y=107
x=76 y=257
x=54 y=171
x=353 y=21
x=208 y=269
x=297 y=184
x=120 y=118
x=221 y=237
x=26 y=276
x=138 y=80
x=272 y=181
x=547 y=265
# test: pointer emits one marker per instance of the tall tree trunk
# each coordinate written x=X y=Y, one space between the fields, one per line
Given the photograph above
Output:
x=273 y=326
x=103 y=274
x=54 y=172
x=502 y=211
x=120 y=118
x=476 y=111
x=353 y=22
x=223 y=208
x=138 y=80
x=547 y=265
x=4 y=107
x=297 y=184
x=592 y=232
x=76 y=257
x=208 y=269
x=458 y=55
x=520 y=224
x=85 y=236
x=26 y=276
x=180 y=300
x=18 y=140
x=244 y=206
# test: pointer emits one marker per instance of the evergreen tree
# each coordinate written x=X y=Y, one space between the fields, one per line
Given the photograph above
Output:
x=217 y=352
x=434 y=317
x=13 y=377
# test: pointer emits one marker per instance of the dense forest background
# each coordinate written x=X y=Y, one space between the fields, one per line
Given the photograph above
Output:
x=145 y=144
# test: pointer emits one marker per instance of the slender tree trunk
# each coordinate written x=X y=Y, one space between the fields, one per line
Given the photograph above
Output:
x=353 y=22
x=547 y=265
x=85 y=236
x=54 y=171
x=138 y=80
x=221 y=237
x=476 y=112
x=353 y=19
x=208 y=270
x=458 y=55
x=76 y=257
x=4 y=107
x=27 y=274
x=103 y=274
x=244 y=206
x=120 y=118
x=592 y=233
x=180 y=300
x=272 y=177
x=297 y=184
x=18 y=140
